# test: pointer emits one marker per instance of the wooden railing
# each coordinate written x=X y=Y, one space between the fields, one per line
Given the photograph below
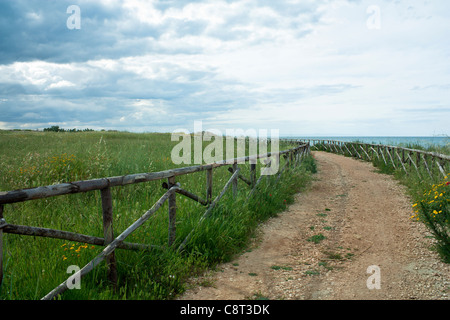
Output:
x=432 y=164
x=292 y=156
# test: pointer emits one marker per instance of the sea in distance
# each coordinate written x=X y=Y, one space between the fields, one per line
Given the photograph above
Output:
x=390 y=141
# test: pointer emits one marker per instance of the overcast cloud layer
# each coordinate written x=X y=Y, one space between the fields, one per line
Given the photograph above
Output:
x=305 y=67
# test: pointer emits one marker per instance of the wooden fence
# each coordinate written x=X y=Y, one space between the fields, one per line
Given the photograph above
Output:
x=434 y=165
x=292 y=156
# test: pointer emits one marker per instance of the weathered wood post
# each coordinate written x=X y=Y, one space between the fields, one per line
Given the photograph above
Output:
x=2 y=223
x=389 y=150
x=401 y=161
x=172 y=212
x=383 y=151
x=441 y=167
x=235 y=181
x=340 y=148
x=109 y=234
x=418 y=159
x=253 y=174
x=209 y=182
x=424 y=156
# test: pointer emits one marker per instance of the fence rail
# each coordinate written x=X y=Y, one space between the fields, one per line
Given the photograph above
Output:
x=292 y=156
x=432 y=164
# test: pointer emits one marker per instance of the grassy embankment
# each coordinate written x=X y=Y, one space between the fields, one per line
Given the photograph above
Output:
x=33 y=266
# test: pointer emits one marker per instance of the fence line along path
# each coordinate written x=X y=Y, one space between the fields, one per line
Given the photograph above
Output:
x=431 y=164
x=292 y=157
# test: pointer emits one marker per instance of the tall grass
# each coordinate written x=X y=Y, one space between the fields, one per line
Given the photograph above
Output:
x=33 y=266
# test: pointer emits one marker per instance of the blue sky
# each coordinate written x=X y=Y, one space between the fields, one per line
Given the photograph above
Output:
x=307 y=68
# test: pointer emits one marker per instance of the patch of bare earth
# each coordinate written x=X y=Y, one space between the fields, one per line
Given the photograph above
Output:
x=364 y=217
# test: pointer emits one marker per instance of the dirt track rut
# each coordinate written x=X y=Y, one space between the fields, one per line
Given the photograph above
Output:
x=364 y=217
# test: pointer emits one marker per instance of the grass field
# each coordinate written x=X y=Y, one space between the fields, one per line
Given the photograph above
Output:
x=33 y=266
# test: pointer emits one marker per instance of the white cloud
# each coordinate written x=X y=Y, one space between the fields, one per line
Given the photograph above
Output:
x=60 y=84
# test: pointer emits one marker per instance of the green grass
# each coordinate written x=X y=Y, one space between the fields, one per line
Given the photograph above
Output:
x=34 y=266
x=281 y=268
x=317 y=238
x=312 y=272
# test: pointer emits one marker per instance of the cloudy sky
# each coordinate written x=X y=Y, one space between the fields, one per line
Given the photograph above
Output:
x=307 y=68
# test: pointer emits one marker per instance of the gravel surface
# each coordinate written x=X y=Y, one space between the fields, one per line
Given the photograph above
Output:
x=359 y=218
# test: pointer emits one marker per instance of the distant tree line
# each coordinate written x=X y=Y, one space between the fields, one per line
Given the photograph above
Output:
x=58 y=129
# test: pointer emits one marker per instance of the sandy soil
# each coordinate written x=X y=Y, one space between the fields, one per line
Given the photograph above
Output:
x=364 y=216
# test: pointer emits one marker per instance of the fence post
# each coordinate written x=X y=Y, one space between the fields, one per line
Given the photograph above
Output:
x=172 y=212
x=418 y=158
x=424 y=156
x=388 y=151
x=409 y=158
x=235 y=181
x=109 y=234
x=441 y=167
x=1 y=243
x=209 y=182
x=253 y=174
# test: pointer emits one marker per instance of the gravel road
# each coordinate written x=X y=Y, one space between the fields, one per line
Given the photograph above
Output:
x=359 y=219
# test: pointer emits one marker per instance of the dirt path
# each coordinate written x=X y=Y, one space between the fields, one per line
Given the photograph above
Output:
x=364 y=216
